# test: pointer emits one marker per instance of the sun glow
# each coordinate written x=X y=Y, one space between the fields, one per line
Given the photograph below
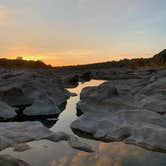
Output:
x=33 y=58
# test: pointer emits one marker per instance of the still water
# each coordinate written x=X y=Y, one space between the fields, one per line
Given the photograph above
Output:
x=46 y=153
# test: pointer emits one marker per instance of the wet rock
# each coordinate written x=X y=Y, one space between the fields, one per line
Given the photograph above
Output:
x=7 y=160
x=74 y=142
x=6 y=112
x=58 y=136
x=21 y=147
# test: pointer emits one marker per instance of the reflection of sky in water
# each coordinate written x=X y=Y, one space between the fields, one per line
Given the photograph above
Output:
x=46 y=153
x=69 y=114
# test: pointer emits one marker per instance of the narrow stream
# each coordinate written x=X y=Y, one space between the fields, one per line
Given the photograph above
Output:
x=46 y=153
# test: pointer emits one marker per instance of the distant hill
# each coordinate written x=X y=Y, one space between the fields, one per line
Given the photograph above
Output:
x=19 y=63
x=160 y=58
x=157 y=60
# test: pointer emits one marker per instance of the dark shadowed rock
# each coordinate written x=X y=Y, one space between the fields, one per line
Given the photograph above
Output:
x=70 y=81
x=7 y=160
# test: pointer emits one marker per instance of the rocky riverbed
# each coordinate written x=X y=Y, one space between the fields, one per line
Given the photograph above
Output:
x=128 y=107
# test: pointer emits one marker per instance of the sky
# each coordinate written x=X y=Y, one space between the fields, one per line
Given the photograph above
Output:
x=70 y=32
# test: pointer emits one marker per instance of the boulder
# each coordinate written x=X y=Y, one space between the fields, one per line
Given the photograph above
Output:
x=70 y=81
x=37 y=88
x=6 y=112
x=77 y=144
x=104 y=91
x=41 y=108
x=73 y=141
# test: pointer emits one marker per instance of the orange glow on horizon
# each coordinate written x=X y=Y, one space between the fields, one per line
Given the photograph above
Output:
x=73 y=57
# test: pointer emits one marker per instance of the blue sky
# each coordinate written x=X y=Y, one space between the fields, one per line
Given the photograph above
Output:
x=63 y=32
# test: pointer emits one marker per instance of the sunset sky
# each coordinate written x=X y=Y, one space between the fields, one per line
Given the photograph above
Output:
x=65 y=32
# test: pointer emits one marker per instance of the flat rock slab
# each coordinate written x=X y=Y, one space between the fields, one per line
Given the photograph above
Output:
x=13 y=134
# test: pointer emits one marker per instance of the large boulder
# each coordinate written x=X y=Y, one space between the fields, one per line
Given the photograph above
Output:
x=105 y=98
x=103 y=91
x=41 y=108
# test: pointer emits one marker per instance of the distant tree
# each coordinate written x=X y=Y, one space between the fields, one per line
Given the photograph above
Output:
x=19 y=58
